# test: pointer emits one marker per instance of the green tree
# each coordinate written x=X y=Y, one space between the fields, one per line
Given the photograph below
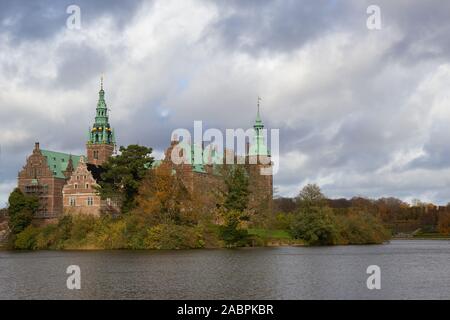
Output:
x=314 y=222
x=231 y=232
x=123 y=175
x=316 y=226
x=237 y=192
x=235 y=204
x=311 y=196
x=21 y=210
x=26 y=240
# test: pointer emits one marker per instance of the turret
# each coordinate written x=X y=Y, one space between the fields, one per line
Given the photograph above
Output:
x=101 y=143
x=258 y=149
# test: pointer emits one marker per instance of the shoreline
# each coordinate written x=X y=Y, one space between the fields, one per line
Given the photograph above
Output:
x=420 y=238
x=292 y=245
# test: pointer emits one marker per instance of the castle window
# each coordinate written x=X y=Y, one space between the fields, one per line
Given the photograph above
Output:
x=96 y=155
x=75 y=186
x=90 y=201
x=87 y=186
x=72 y=202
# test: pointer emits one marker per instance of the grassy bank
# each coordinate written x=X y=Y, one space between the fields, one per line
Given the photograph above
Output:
x=272 y=238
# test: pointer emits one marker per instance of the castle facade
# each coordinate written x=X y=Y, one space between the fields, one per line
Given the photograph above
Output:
x=67 y=184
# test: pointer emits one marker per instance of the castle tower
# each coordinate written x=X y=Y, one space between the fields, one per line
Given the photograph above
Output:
x=259 y=167
x=258 y=153
x=101 y=143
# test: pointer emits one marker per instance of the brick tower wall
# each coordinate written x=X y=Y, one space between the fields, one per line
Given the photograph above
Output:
x=99 y=153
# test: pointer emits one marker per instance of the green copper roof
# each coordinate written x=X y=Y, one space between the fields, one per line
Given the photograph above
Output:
x=258 y=122
x=258 y=146
x=58 y=161
x=101 y=131
x=155 y=164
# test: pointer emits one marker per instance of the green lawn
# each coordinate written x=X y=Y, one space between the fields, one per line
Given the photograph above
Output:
x=270 y=234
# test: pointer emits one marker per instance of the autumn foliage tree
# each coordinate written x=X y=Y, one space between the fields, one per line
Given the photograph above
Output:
x=163 y=198
x=444 y=223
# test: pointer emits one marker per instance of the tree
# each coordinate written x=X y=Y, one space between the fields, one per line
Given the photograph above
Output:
x=21 y=210
x=314 y=225
x=124 y=173
x=230 y=232
x=237 y=192
x=235 y=204
x=311 y=196
x=314 y=222
x=164 y=198
x=444 y=223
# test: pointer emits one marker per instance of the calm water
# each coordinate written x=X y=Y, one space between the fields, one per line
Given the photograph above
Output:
x=409 y=270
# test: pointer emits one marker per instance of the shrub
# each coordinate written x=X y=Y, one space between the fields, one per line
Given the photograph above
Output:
x=361 y=228
x=26 y=240
x=111 y=235
x=171 y=236
x=47 y=237
x=231 y=232
x=315 y=225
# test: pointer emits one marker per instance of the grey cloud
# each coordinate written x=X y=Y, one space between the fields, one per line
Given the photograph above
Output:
x=38 y=20
x=266 y=26
x=348 y=124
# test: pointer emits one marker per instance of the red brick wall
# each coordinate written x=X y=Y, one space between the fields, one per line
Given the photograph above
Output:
x=99 y=153
x=48 y=188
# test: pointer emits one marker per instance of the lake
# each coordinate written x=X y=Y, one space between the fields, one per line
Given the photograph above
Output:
x=410 y=269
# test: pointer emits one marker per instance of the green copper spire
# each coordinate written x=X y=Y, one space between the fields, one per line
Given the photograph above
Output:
x=258 y=147
x=101 y=132
x=258 y=123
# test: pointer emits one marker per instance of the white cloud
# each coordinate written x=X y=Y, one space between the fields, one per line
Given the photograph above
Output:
x=5 y=189
x=359 y=112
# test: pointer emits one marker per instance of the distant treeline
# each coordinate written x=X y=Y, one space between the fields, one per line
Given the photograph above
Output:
x=396 y=215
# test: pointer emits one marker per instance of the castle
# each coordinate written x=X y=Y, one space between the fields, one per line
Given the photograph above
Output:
x=67 y=183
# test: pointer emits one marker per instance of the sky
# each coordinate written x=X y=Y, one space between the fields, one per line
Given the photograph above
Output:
x=361 y=112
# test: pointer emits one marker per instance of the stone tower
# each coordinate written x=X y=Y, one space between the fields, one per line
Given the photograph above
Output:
x=259 y=167
x=101 y=143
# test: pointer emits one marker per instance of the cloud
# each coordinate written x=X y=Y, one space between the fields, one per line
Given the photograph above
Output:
x=360 y=112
